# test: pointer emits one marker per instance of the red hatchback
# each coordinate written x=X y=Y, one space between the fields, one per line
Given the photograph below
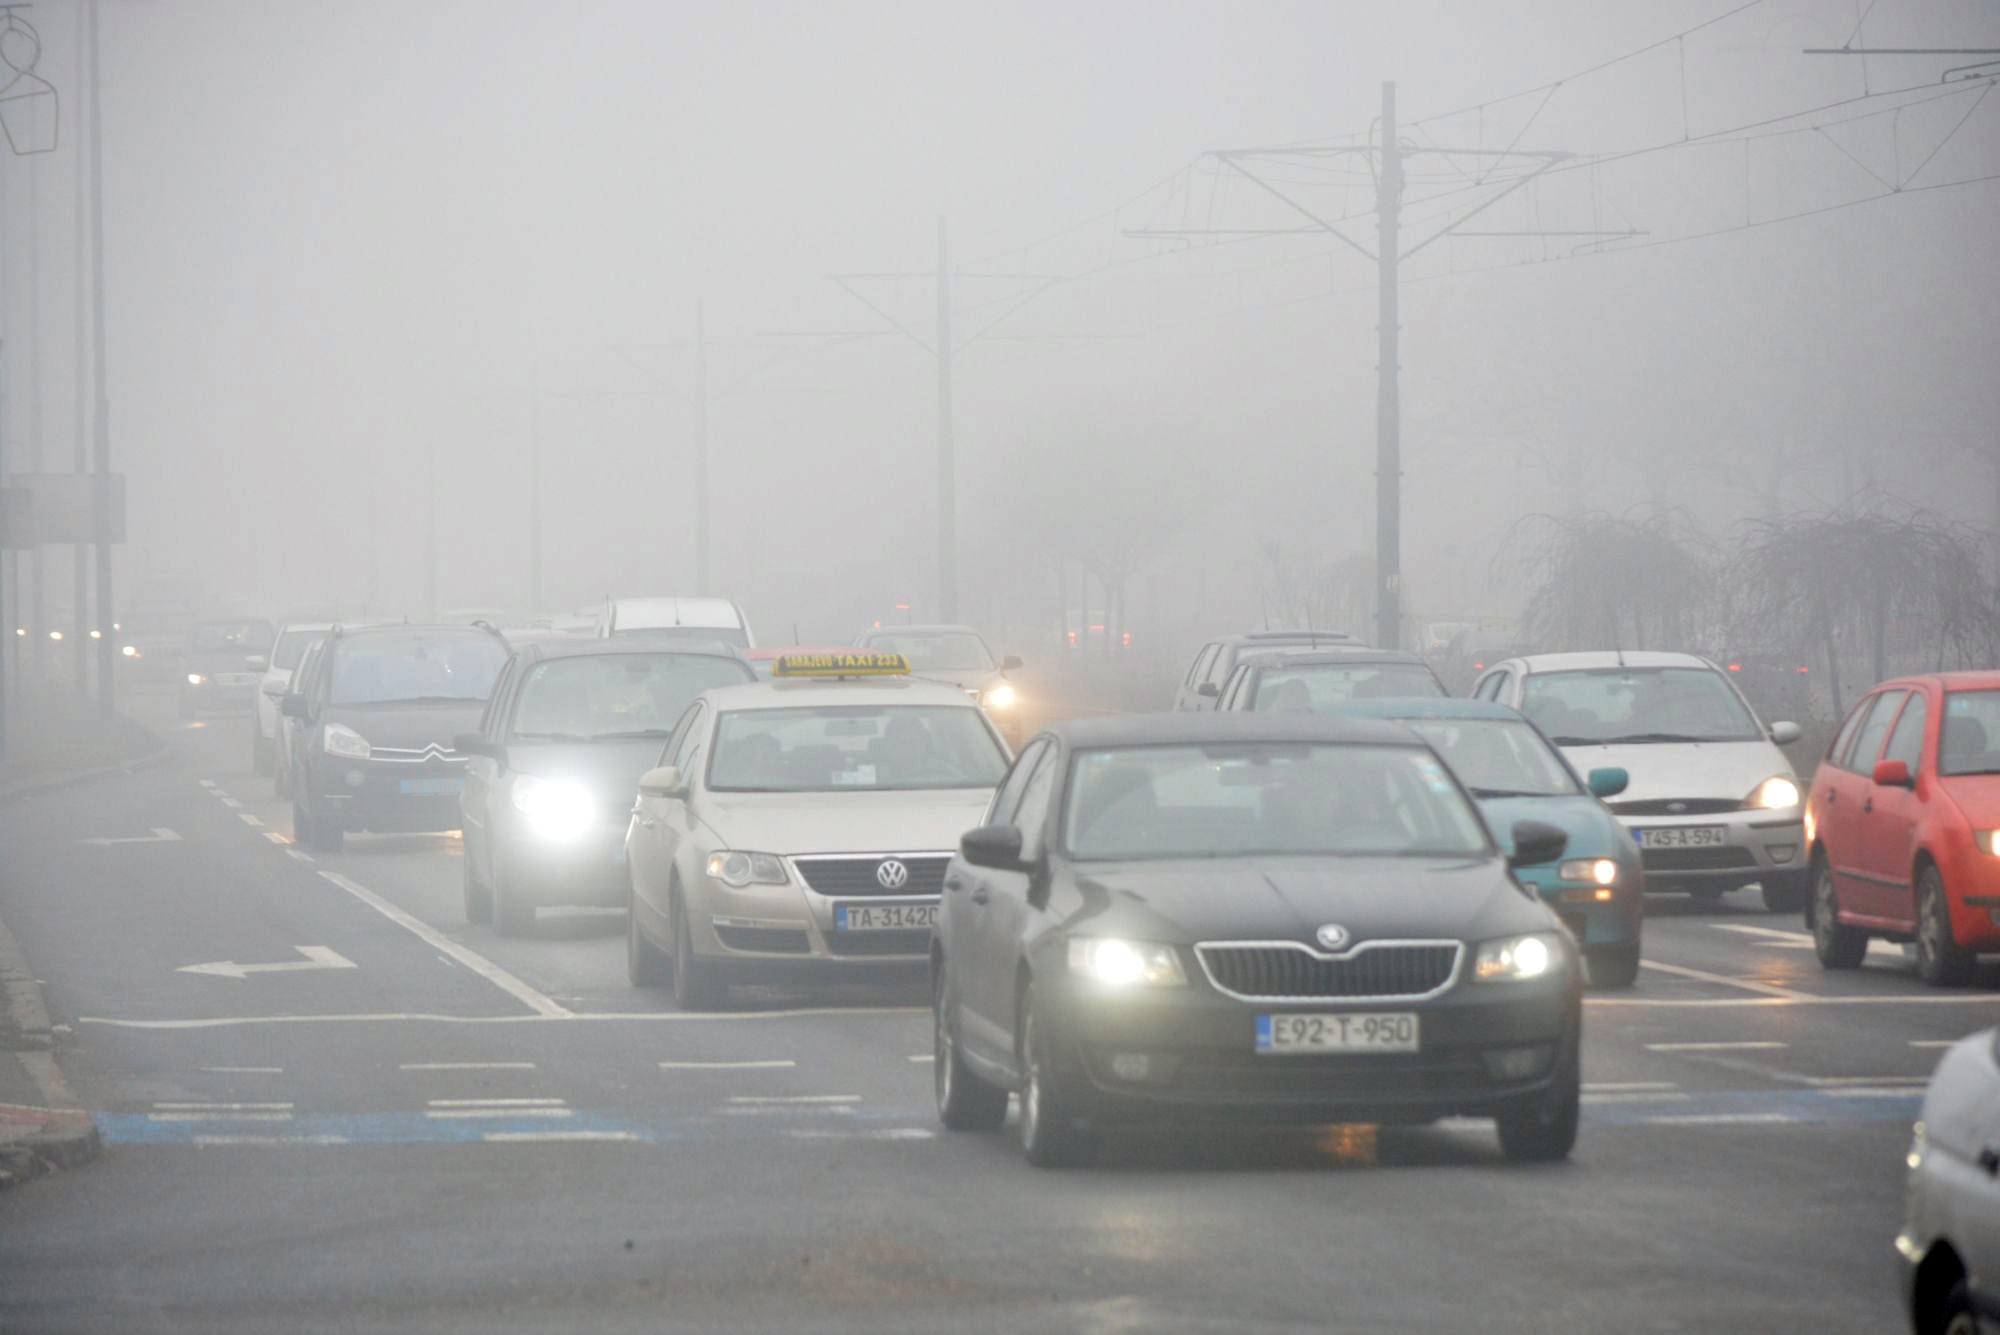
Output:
x=1902 y=823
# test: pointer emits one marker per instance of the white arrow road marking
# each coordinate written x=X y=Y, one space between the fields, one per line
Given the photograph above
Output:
x=316 y=957
x=160 y=835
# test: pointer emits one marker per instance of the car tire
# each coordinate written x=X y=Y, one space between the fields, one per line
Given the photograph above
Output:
x=1543 y=1129
x=1954 y=1315
x=512 y=914
x=1941 y=961
x=478 y=895
x=1837 y=945
x=698 y=983
x=965 y=1102
x=314 y=827
x=1051 y=1135
x=260 y=749
x=645 y=964
x=1613 y=966
x=1786 y=892
x=281 y=781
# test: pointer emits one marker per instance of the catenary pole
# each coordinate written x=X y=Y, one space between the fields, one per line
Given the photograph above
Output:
x=947 y=480
x=1388 y=400
x=107 y=644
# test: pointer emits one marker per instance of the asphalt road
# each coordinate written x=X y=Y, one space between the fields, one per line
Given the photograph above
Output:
x=430 y=1128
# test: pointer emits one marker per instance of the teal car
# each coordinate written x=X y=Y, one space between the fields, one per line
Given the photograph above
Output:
x=1598 y=887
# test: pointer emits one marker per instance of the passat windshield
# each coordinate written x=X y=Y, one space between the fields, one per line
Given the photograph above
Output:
x=411 y=666
x=1497 y=757
x=952 y=651
x=602 y=697
x=1266 y=798
x=848 y=748
x=1314 y=687
x=1616 y=706
x=1970 y=741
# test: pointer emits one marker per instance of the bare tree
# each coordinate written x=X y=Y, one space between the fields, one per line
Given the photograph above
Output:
x=1604 y=581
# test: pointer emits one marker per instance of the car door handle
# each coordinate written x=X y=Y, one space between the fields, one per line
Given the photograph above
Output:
x=1832 y=795
x=953 y=884
x=1867 y=804
x=1989 y=1160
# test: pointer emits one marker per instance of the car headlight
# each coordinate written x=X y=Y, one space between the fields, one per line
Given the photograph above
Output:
x=1988 y=841
x=1115 y=962
x=130 y=651
x=1515 y=958
x=740 y=869
x=1000 y=697
x=196 y=679
x=1596 y=871
x=554 y=808
x=341 y=740
x=1776 y=792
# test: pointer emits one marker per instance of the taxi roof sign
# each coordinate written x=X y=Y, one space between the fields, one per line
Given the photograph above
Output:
x=857 y=664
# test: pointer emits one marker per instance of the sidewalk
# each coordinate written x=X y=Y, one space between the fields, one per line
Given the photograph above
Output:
x=55 y=738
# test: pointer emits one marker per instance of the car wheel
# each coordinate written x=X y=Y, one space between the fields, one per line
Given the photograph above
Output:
x=1955 y=1315
x=512 y=914
x=1837 y=945
x=1613 y=966
x=314 y=827
x=1544 y=1128
x=645 y=966
x=1786 y=892
x=964 y=1101
x=1051 y=1136
x=1941 y=961
x=260 y=749
x=478 y=896
x=281 y=781
x=698 y=984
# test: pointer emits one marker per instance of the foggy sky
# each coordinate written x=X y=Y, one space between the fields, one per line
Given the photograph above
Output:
x=340 y=236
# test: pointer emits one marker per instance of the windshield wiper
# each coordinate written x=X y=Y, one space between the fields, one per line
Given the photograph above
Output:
x=550 y=737
x=1658 y=737
x=630 y=733
x=1508 y=792
x=1577 y=741
x=426 y=700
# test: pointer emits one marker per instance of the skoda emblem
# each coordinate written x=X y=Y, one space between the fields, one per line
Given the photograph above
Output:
x=892 y=875
x=1332 y=936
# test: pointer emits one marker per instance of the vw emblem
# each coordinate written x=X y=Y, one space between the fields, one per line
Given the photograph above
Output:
x=892 y=875
x=1332 y=936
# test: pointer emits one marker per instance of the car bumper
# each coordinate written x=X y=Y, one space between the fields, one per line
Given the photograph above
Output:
x=389 y=798
x=1756 y=846
x=793 y=929
x=1200 y=1060
x=587 y=872
x=1607 y=924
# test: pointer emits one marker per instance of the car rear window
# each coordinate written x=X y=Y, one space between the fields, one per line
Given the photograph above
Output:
x=1318 y=687
x=600 y=697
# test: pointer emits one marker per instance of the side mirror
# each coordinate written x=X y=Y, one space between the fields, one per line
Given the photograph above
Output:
x=1893 y=774
x=258 y=661
x=665 y=781
x=1536 y=842
x=1208 y=690
x=1784 y=734
x=294 y=706
x=995 y=846
x=1609 y=782
x=1011 y=663
x=475 y=744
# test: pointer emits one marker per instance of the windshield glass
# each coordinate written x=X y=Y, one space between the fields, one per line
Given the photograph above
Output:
x=1637 y=705
x=443 y=665
x=231 y=637
x=1316 y=687
x=1497 y=757
x=937 y=651
x=605 y=696
x=1266 y=798
x=1970 y=742
x=292 y=646
x=688 y=637
x=846 y=747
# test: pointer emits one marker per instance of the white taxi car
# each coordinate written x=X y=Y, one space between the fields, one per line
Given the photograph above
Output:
x=800 y=828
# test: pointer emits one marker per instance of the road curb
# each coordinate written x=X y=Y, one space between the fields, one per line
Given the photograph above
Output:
x=71 y=778
x=67 y=1138
x=56 y=1132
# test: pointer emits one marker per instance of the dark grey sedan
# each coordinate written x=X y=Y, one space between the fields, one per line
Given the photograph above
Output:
x=1236 y=917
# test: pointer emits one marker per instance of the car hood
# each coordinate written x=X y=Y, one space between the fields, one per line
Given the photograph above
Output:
x=1593 y=832
x=1663 y=770
x=1289 y=899
x=408 y=727
x=967 y=679
x=609 y=770
x=1977 y=795
x=886 y=822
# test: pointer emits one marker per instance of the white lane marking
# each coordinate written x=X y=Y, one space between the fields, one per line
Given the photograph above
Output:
x=1720 y=980
x=160 y=835
x=1935 y=1042
x=1736 y=1045
x=1639 y=1096
x=466 y=1066
x=495 y=1103
x=1768 y=933
x=793 y=1098
x=313 y=957
x=219 y=1117
x=206 y=783
x=277 y=838
x=1839 y=1081
x=444 y=1113
x=244 y=1070
x=1796 y=999
x=249 y=819
x=227 y=1107
x=206 y=1142
x=776 y=1064
x=1719 y=1119
x=883 y=1133
x=534 y=1000
x=297 y=856
x=1905 y=1092
x=554 y=1137
x=231 y=803
x=1627 y=1086
x=923 y=1057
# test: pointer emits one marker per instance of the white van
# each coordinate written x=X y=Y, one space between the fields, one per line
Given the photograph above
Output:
x=671 y=619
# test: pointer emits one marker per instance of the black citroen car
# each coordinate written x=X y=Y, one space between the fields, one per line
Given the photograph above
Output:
x=1223 y=917
x=377 y=718
x=555 y=768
